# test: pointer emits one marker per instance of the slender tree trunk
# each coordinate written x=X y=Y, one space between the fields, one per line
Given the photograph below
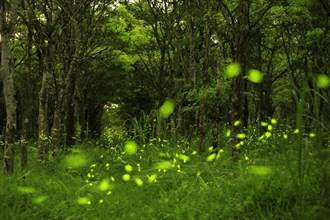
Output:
x=202 y=126
x=28 y=113
x=239 y=105
x=2 y=111
x=73 y=52
x=24 y=144
x=43 y=113
x=9 y=94
x=57 y=128
x=6 y=30
x=206 y=81
x=45 y=84
x=70 y=109
x=83 y=120
x=241 y=50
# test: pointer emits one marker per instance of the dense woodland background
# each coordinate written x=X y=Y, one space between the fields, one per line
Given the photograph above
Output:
x=100 y=70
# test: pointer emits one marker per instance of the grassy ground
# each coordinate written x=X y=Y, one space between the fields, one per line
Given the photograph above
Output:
x=171 y=181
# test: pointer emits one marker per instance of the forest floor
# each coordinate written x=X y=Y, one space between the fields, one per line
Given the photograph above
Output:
x=166 y=180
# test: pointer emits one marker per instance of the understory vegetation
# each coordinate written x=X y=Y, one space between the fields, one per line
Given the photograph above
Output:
x=117 y=178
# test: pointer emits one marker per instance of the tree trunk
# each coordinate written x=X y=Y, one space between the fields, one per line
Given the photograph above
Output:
x=57 y=125
x=24 y=144
x=10 y=102
x=70 y=109
x=2 y=111
x=7 y=24
x=48 y=51
x=241 y=50
x=239 y=105
x=70 y=64
x=42 y=117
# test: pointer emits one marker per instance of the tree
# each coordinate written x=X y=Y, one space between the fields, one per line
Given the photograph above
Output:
x=7 y=27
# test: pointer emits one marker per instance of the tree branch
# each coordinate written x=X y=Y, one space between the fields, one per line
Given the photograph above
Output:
x=225 y=11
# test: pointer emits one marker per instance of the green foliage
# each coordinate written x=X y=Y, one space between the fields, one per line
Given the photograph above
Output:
x=113 y=136
x=126 y=58
x=259 y=186
x=144 y=127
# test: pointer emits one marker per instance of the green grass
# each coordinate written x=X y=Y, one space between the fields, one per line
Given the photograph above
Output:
x=260 y=186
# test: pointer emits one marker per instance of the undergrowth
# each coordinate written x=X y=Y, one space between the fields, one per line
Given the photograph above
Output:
x=167 y=179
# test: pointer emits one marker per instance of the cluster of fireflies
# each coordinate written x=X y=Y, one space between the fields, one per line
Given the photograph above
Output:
x=130 y=152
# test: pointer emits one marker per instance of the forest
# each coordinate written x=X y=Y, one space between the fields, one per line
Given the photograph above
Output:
x=165 y=109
